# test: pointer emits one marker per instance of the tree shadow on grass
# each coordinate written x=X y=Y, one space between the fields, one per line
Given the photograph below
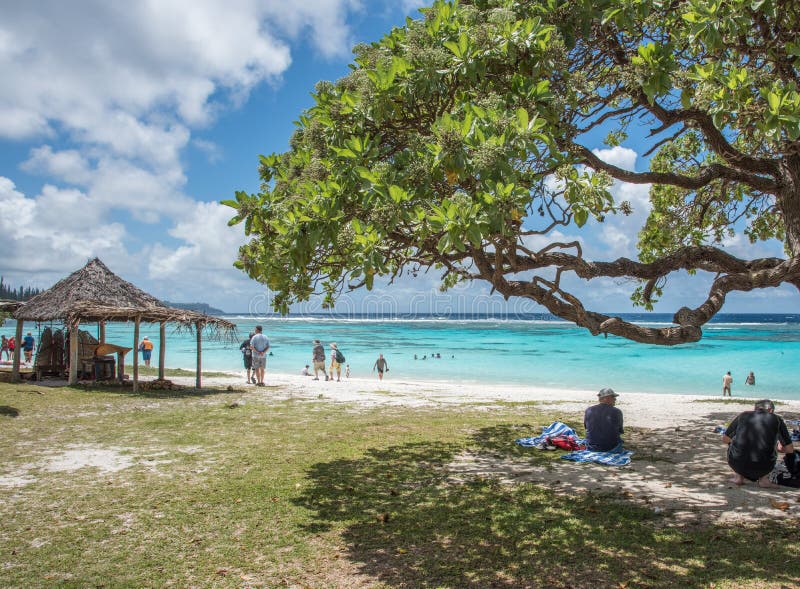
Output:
x=9 y=411
x=406 y=523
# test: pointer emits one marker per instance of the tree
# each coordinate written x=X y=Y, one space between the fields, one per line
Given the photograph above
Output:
x=460 y=139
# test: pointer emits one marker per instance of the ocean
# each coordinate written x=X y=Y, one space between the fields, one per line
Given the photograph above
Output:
x=532 y=349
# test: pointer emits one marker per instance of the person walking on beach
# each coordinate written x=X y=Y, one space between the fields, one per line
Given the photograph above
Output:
x=337 y=359
x=381 y=366
x=318 y=359
x=603 y=423
x=259 y=344
x=146 y=347
x=751 y=379
x=347 y=371
x=247 y=357
x=4 y=348
x=754 y=439
x=28 y=343
x=727 y=379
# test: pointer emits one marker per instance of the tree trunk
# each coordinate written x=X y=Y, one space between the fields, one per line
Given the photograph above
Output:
x=162 y=349
x=789 y=203
x=73 y=353
x=15 y=359
x=199 y=378
x=136 y=355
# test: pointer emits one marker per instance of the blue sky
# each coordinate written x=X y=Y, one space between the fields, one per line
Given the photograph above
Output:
x=123 y=125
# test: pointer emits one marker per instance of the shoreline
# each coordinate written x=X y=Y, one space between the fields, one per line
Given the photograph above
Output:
x=641 y=409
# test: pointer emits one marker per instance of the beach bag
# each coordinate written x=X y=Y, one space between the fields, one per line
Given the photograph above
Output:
x=339 y=357
x=788 y=474
x=565 y=443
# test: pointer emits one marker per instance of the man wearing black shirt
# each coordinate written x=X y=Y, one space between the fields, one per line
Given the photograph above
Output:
x=753 y=439
x=603 y=423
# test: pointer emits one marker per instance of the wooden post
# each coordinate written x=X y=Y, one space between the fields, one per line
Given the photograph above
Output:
x=199 y=379
x=162 y=349
x=136 y=355
x=102 y=334
x=17 y=352
x=121 y=366
x=73 y=353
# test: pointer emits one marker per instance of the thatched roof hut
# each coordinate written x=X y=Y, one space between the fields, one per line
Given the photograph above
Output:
x=92 y=284
x=9 y=306
x=94 y=294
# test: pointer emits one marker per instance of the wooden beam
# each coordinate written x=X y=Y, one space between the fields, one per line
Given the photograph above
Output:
x=102 y=337
x=199 y=378
x=17 y=352
x=136 y=354
x=73 y=353
x=162 y=349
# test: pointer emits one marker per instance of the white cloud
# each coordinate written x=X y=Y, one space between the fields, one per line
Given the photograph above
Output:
x=209 y=250
x=18 y=123
x=44 y=237
x=622 y=157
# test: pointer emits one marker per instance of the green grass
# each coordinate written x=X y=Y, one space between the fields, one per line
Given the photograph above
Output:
x=307 y=493
x=153 y=371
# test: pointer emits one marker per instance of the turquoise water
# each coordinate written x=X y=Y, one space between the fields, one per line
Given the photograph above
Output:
x=542 y=353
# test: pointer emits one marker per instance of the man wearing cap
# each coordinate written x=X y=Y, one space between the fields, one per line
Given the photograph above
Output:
x=603 y=423
x=754 y=439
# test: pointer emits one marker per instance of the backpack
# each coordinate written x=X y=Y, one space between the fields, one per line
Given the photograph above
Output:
x=789 y=475
x=339 y=357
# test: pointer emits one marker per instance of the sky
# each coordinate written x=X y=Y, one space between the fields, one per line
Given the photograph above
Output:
x=122 y=126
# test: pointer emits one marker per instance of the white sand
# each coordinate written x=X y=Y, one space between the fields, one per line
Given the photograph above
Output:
x=679 y=469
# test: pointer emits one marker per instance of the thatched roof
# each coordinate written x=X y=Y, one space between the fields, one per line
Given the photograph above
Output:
x=9 y=306
x=94 y=293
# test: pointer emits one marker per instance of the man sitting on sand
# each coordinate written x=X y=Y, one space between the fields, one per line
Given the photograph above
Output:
x=753 y=438
x=603 y=423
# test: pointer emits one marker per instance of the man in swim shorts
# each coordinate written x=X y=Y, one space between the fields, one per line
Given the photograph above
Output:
x=28 y=343
x=259 y=345
x=381 y=366
x=318 y=359
x=727 y=379
x=754 y=439
x=147 y=350
x=247 y=357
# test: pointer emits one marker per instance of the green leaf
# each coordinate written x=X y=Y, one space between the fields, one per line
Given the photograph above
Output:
x=522 y=119
x=397 y=194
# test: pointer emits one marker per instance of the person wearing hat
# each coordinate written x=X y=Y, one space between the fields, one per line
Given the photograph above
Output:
x=754 y=439
x=603 y=423
x=318 y=359
x=147 y=350
x=335 y=364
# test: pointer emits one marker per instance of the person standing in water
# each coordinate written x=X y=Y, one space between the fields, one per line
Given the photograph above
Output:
x=381 y=366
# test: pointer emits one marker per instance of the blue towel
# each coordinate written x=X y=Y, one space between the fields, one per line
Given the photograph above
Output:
x=795 y=432
x=554 y=429
x=607 y=458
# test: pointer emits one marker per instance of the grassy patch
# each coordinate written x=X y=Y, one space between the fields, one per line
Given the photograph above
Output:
x=153 y=371
x=266 y=493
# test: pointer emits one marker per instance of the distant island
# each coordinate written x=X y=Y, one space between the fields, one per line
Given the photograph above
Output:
x=199 y=307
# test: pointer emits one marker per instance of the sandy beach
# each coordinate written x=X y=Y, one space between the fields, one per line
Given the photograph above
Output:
x=678 y=468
